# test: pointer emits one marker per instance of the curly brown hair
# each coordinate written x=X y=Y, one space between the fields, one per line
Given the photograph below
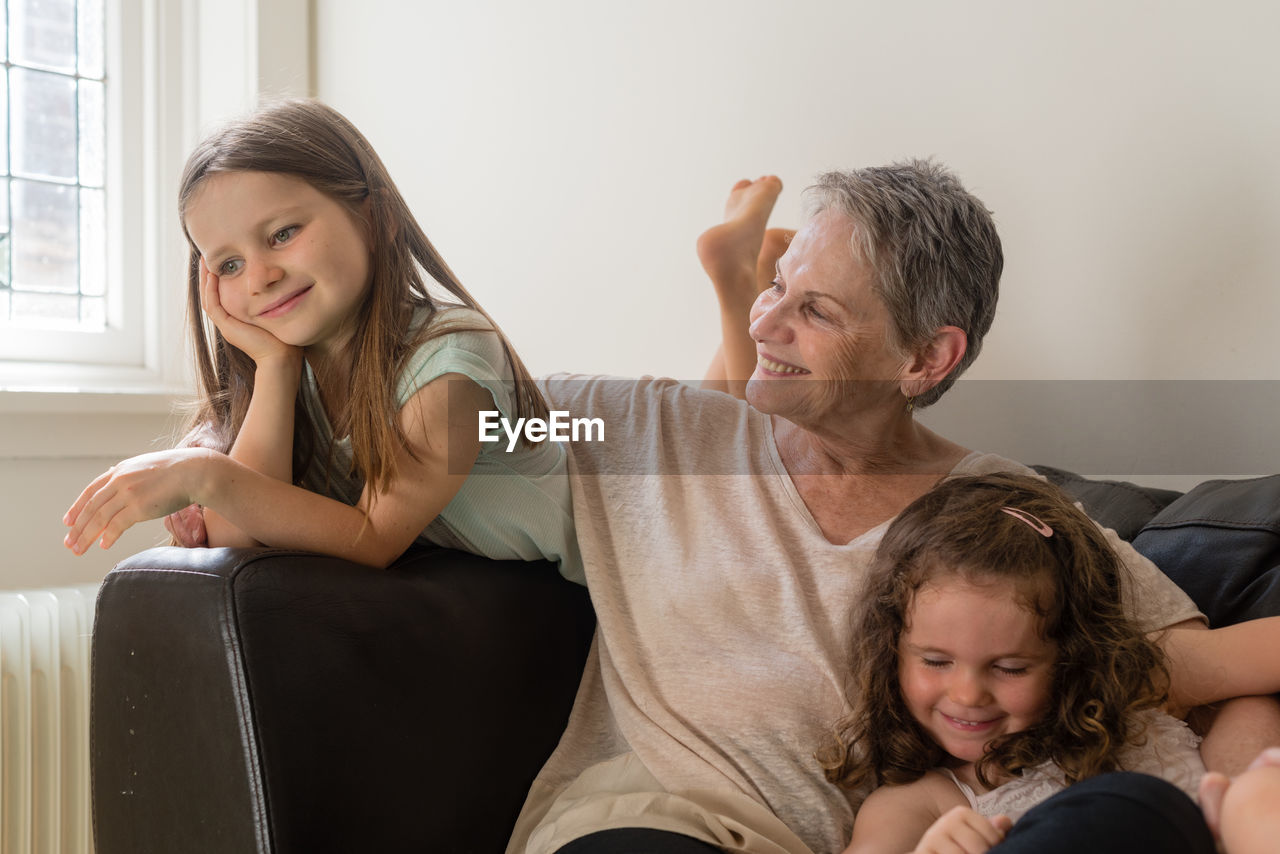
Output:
x=1106 y=668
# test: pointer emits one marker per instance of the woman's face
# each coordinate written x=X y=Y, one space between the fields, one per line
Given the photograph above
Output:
x=823 y=336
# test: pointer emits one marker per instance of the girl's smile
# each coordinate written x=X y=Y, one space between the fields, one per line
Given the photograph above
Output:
x=972 y=665
x=285 y=304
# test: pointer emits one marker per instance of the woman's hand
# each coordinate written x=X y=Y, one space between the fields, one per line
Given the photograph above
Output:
x=963 y=831
x=257 y=343
x=137 y=489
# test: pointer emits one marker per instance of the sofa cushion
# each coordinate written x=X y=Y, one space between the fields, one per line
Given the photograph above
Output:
x=1221 y=543
x=1117 y=504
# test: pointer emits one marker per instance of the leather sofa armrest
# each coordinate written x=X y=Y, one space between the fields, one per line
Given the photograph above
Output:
x=259 y=700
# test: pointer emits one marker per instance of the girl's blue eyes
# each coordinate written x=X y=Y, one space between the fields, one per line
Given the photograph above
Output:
x=229 y=268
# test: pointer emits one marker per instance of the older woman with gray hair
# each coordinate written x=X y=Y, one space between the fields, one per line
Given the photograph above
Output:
x=724 y=539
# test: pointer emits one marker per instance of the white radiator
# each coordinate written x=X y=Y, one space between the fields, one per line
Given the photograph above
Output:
x=44 y=720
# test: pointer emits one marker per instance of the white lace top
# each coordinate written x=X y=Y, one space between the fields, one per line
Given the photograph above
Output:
x=1168 y=750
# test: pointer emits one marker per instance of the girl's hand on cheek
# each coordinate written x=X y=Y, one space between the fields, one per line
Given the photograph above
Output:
x=140 y=488
x=257 y=343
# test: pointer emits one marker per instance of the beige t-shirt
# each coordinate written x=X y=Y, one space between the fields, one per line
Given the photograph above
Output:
x=718 y=661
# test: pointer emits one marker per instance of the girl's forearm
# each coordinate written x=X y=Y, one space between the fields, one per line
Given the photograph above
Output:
x=279 y=514
x=265 y=440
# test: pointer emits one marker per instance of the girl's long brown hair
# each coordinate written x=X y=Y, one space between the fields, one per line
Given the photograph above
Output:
x=311 y=141
x=1106 y=668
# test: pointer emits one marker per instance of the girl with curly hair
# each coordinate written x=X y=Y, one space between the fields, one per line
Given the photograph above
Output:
x=994 y=665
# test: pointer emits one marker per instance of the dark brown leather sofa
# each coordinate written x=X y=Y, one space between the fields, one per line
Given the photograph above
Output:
x=282 y=702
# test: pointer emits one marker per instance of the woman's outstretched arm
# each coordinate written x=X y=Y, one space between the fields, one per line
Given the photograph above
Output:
x=1207 y=666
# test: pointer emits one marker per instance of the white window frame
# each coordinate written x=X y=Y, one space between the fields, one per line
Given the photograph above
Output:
x=174 y=68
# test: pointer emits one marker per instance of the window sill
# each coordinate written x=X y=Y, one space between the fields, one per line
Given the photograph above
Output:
x=65 y=412
x=28 y=387
x=83 y=402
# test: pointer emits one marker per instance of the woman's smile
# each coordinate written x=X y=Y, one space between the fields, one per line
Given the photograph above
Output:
x=773 y=366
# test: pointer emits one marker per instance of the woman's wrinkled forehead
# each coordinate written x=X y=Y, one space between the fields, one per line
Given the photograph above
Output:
x=822 y=256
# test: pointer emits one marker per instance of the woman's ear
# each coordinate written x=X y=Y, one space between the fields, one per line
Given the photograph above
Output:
x=935 y=361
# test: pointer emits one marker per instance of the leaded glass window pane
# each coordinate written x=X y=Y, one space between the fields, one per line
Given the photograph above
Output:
x=53 y=164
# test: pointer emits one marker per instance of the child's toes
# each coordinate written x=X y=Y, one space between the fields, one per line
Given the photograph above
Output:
x=1213 y=787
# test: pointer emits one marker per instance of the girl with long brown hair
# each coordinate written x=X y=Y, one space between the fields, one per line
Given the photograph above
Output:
x=344 y=371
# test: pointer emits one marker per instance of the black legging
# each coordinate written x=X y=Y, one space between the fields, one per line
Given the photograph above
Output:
x=637 y=840
x=1122 y=812
x=1119 y=813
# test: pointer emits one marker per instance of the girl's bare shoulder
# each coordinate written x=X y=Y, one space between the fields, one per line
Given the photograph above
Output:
x=933 y=793
x=894 y=817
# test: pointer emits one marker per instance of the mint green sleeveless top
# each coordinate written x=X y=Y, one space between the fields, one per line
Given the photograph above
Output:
x=514 y=505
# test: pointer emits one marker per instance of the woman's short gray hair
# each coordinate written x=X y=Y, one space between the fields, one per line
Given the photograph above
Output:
x=932 y=245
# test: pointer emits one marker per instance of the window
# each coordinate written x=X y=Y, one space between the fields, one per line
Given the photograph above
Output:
x=100 y=101
x=75 y=193
x=53 y=170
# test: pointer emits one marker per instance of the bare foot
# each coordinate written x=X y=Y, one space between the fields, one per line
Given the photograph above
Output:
x=730 y=251
x=776 y=241
x=741 y=256
x=1219 y=795
x=1213 y=787
x=1250 y=819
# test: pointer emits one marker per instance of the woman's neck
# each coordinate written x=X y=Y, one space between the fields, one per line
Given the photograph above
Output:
x=881 y=444
x=876 y=475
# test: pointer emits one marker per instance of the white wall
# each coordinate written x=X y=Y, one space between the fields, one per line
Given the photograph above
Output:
x=564 y=155
x=51 y=446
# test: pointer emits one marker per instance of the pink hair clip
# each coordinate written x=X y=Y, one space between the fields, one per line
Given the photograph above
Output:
x=1033 y=522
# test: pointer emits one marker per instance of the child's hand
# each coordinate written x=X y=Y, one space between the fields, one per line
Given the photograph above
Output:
x=187 y=527
x=140 y=488
x=960 y=830
x=257 y=343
